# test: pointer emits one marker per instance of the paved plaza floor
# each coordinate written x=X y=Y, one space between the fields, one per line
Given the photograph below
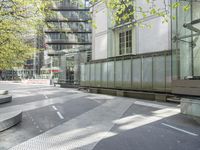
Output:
x=68 y=119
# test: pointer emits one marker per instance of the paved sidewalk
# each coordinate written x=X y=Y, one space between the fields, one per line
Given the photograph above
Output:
x=40 y=104
x=68 y=119
x=85 y=131
x=81 y=132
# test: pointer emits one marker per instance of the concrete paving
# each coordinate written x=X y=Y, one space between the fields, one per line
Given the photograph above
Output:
x=67 y=119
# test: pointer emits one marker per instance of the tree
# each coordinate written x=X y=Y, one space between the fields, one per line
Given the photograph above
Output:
x=19 y=20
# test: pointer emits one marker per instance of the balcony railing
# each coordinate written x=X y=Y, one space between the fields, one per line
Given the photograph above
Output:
x=67 y=20
x=61 y=8
x=65 y=42
x=67 y=5
x=71 y=15
x=68 y=31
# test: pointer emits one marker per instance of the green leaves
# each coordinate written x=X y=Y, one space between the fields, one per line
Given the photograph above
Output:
x=132 y=10
x=19 y=21
x=175 y=5
x=153 y=11
x=186 y=7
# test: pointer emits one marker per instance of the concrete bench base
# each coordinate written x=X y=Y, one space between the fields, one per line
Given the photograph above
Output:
x=5 y=99
x=10 y=119
x=3 y=92
x=190 y=107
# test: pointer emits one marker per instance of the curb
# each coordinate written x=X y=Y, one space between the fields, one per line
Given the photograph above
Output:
x=10 y=119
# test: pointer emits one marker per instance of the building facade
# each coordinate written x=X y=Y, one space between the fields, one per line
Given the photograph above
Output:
x=68 y=40
x=162 y=59
x=129 y=57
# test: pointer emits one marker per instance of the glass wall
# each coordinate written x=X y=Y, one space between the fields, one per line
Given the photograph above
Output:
x=186 y=41
x=148 y=73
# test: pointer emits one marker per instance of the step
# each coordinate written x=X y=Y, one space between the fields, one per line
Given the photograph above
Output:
x=5 y=99
x=8 y=120
x=3 y=92
x=174 y=100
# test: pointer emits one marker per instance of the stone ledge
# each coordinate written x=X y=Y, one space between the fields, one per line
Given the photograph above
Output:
x=140 y=95
x=5 y=99
x=132 y=94
x=161 y=97
x=10 y=119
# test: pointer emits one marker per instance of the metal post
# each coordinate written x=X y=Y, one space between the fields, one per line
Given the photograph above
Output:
x=51 y=75
x=152 y=86
x=34 y=65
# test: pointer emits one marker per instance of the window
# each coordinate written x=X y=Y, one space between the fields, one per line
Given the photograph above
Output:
x=125 y=42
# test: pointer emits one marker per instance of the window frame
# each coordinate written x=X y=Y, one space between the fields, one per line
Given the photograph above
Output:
x=125 y=42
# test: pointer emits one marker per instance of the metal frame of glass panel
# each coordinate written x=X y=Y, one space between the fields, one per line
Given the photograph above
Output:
x=149 y=72
x=185 y=41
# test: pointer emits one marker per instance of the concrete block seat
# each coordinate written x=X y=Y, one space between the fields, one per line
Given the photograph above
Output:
x=10 y=119
x=190 y=107
x=3 y=92
x=5 y=99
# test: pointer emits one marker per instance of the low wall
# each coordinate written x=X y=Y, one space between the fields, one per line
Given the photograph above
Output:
x=133 y=94
x=37 y=81
x=186 y=87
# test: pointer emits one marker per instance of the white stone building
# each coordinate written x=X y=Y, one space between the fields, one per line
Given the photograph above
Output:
x=129 y=57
